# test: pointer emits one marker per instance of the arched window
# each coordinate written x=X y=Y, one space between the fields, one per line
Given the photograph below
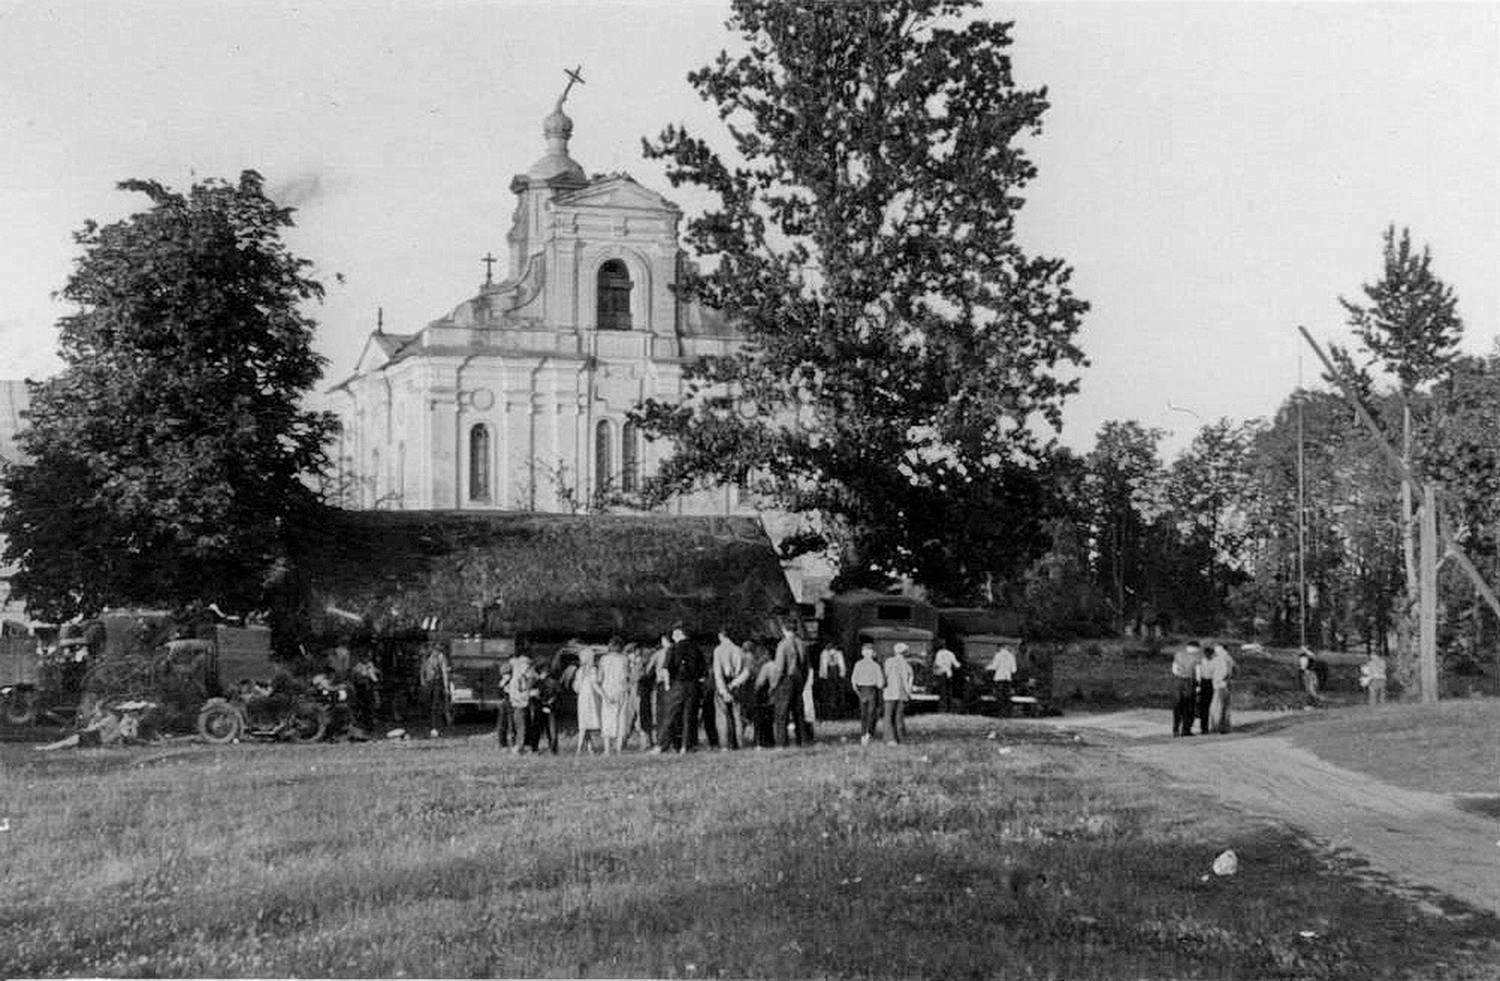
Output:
x=630 y=458
x=614 y=296
x=479 y=463
x=604 y=458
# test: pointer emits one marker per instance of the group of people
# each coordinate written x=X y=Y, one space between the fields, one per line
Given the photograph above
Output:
x=1201 y=674
x=1200 y=678
x=682 y=695
x=676 y=697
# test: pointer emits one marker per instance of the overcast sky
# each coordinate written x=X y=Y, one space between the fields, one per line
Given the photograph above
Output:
x=1216 y=173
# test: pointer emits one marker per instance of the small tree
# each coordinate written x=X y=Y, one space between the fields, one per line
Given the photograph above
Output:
x=161 y=464
x=901 y=344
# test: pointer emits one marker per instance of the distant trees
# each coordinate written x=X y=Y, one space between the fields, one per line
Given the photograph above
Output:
x=905 y=352
x=162 y=463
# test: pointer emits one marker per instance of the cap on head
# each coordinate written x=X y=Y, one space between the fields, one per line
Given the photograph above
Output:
x=901 y=649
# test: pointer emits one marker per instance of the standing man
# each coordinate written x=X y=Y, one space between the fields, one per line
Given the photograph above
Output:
x=1003 y=672
x=1372 y=679
x=730 y=671
x=833 y=671
x=1185 y=687
x=1220 y=670
x=519 y=691
x=786 y=697
x=898 y=688
x=1307 y=669
x=683 y=667
x=1205 y=691
x=868 y=681
x=944 y=664
x=435 y=693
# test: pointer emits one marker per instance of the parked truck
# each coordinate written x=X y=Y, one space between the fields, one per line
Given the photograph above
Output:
x=859 y=617
x=976 y=635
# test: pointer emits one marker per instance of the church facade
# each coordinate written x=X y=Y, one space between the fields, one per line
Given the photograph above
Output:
x=517 y=399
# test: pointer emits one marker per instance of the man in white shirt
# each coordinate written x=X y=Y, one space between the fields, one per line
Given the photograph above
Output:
x=731 y=669
x=944 y=664
x=1003 y=671
x=1372 y=678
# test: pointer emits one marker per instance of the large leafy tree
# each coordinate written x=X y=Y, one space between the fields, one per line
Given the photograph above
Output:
x=1125 y=490
x=904 y=352
x=162 y=463
x=1208 y=492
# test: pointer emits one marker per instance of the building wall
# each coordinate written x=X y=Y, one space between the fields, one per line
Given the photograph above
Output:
x=14 y=398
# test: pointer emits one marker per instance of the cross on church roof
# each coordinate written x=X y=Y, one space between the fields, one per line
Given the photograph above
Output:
x=489 y=268
x=574 y=75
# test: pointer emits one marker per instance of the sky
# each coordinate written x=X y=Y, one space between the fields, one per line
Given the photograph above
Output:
x=1215 y=173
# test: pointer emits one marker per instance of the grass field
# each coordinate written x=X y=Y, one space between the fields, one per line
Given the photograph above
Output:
x=1451 y=747
x=1028 y=855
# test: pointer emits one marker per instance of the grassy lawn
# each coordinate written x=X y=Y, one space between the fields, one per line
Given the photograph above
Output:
x=1450 y=747
x=1030 y=855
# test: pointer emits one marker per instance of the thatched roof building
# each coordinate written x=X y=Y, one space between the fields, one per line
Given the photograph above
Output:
x=539 y=575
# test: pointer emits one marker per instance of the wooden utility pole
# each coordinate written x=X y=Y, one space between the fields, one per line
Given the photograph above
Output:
x=1427 y=603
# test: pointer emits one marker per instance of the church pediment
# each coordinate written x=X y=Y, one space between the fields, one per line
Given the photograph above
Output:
x=616 y=192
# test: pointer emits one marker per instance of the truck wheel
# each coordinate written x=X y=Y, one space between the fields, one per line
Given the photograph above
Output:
x=307 y=724
x=220 y=724
x=19 y=708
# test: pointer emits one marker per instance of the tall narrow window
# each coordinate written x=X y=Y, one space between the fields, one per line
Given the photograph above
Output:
x=604 y=458
x=374 y=478
x=479 y=463
x=630 y=458
x=614 y=296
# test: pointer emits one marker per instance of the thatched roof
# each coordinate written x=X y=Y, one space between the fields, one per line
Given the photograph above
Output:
x=540 y=574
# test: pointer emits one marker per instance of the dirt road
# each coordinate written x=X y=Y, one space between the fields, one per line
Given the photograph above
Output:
x=1417 y=838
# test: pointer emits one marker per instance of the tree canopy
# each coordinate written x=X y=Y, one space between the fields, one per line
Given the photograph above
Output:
x=160 y=464
x=903 y=355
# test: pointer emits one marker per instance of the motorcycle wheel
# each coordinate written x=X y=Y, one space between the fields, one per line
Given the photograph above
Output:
x=220 y=724
x=307 y=724
x=19 y=708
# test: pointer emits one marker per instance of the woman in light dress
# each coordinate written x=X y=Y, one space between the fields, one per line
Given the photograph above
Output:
x=615 y=689
x=590 y=696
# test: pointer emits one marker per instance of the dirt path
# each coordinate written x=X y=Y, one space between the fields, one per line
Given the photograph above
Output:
x=1415 y=837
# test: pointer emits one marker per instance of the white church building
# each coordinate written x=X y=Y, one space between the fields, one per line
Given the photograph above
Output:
x=517 y=398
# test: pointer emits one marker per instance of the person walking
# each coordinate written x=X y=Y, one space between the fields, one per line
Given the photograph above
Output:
x=1185 y=687
x=729 y=673
x=944 y=666
x=868 y=681
x=614 y=695
x=436 y=695
x=786 y=697
x=762 y=710
x=1220 y=670
x=1372 y=679
x=898 y=688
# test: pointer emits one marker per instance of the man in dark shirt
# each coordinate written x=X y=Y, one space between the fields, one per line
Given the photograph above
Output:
x=786 y=697
x=684 y=669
